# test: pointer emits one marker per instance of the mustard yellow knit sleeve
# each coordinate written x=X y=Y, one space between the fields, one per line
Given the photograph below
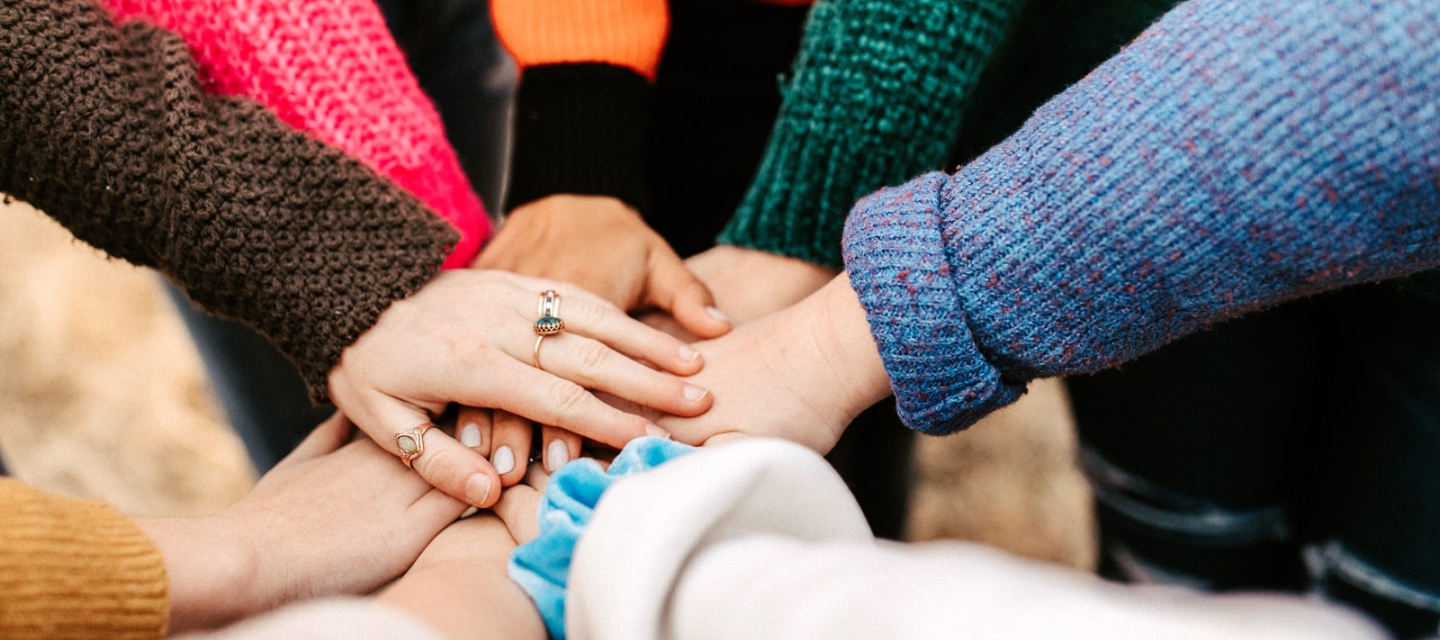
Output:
x=72 y=568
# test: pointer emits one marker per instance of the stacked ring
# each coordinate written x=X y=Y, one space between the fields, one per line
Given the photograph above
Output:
x=549 y=323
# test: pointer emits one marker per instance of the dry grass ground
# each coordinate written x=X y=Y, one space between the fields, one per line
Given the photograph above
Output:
x=101 y=392
x=102 y=395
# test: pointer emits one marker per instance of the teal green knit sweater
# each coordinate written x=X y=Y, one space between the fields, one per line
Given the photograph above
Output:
x=874 y=99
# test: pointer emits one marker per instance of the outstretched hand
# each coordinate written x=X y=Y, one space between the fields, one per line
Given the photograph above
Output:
x=603 y=246
x=467 y=337
x=802 y=374
x=331 y=518
x=462 y=588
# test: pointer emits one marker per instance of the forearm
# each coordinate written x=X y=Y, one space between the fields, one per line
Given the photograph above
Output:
x=211 y=575
x=1234 y=156
x=107 y=131
x=875 y=98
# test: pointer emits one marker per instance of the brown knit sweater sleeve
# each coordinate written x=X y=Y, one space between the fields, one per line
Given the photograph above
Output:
x=73 y=568
x=105 y=129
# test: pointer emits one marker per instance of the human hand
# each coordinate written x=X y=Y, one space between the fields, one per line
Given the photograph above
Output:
x=461 y=585
x=331 y=518
x=504 y=439
x=467 y=337
x=519 y=504
x=802 y=374
x=603 y=246
x=749 y=284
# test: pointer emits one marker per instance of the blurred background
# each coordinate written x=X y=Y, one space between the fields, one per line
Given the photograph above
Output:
x=103 y=395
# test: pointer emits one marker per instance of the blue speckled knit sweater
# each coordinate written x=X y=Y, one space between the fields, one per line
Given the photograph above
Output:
x=1238 y=154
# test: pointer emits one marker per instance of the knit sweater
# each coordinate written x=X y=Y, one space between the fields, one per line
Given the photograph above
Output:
x=583 y=109
x=106 y=129
x=875 y=98
x=1236 y=155
x=76 y=569
x=329 y=68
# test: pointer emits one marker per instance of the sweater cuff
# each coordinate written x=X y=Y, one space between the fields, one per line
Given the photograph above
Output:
x=580 y=129
x=899 y=266
x=76 y=568
x=542 y=566
x=875 y=99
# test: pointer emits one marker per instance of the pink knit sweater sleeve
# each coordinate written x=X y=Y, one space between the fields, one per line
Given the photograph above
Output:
x=330 y=68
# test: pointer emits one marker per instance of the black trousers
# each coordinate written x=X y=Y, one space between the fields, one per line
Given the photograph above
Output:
x=1295 y=449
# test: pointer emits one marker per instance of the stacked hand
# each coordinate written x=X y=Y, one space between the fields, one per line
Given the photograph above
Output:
x=332 y=518
x=468 y=337
x=602 y=246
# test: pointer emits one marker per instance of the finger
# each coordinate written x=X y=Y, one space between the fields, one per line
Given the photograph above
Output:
x=675 y=289
x=591 y=317
x=724 y=438
x=516 y=509
x=593 y=365
x=473 y=429
x=560 y=447
x=537 y=478
x=325 y=438
x=549 y=400
x=511 y=441
x=461 y=472
x=432 y=510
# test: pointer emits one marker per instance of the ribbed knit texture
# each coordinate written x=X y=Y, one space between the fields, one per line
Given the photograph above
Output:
x=580 y=129
x=623 y=33
x=106 y=129
x=1236 y=155
x=330 y=68
x=76 y=569
x=875 y=98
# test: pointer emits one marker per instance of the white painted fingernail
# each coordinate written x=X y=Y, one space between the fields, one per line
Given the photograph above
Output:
x=556 y=455
x=693 y=393
x=477 y=489
x=470 y=435
x=469 y=511
x=504 y=460
x=688 y=354
x=655 y=430
x=717 y=314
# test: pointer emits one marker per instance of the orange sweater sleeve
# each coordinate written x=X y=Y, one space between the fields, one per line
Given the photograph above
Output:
x=623 y=33
x=72 y=568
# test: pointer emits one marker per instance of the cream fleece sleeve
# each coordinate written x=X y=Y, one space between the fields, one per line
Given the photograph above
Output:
x=761 y=539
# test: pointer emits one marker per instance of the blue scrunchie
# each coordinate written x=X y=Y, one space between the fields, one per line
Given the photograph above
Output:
x=542 y=566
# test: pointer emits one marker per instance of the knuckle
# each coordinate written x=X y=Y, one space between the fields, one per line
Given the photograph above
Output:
x=592 y=358
x=568 y=398
x=446 y=469
x=590 y=313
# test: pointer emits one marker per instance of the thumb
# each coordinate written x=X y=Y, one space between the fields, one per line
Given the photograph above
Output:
x=325 y=438
x=673 y=288
x=453 y=468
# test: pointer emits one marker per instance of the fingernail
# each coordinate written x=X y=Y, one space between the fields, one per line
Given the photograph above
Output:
x=470 y=435
x=688 y=354
x=656 y=431
x=504 y=460
x=470 y=511
x=556 y=455
x=693 y=393
x=717 y=314
x=477 y=489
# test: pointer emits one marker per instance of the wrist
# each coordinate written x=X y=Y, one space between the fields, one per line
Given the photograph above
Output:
x=211 y=571
x=842 y=333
